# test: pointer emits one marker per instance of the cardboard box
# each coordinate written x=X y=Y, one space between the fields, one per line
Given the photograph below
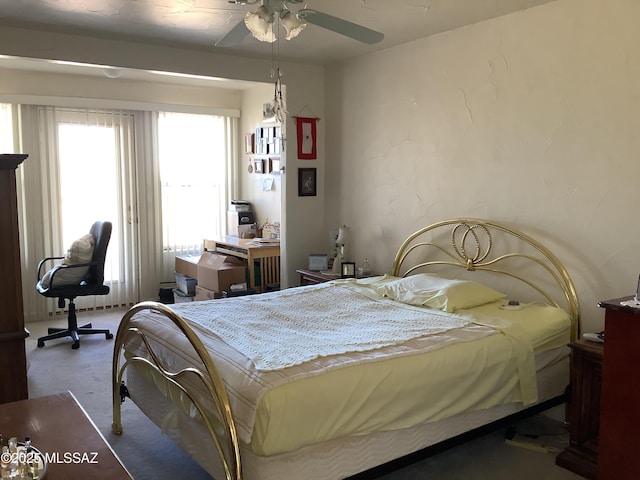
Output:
x=218 y=272
x=206 y=294
x=187 y=265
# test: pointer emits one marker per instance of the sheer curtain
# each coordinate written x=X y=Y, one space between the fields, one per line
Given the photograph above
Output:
x=194 y=165
x=80 y=169
x=6 y=129
x=79 y=156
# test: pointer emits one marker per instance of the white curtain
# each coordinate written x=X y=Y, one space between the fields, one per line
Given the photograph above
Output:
x=195 y=161
x=139 y=260
x=60 y=200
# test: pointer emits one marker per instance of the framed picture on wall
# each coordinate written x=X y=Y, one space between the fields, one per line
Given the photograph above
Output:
x=306 y=182
x=249 y=142
x=258 y=165
x=268 y=115
x=274 y=166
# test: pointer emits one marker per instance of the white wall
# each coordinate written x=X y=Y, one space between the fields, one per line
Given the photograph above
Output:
x=266 y=204
x=529 y=119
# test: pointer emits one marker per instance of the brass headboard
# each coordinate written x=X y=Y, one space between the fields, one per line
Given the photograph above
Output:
x=470 y=244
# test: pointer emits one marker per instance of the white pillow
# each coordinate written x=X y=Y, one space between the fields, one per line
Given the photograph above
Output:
x=81 y=251
x=440 y=293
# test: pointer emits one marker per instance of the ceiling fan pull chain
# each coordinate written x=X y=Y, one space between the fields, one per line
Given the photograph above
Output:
x=279 y=105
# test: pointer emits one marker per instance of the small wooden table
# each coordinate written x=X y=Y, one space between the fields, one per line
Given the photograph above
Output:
x=313 y=277
x=268 y=257
x=583 y=413
x=63 y=432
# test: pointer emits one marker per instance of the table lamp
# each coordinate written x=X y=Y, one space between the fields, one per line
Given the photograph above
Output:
x=344 y=238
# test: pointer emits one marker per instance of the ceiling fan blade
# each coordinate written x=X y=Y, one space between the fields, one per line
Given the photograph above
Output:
x=338 y=25
x=235 y=36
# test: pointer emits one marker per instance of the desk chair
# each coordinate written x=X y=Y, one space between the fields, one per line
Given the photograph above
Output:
x=92 y=283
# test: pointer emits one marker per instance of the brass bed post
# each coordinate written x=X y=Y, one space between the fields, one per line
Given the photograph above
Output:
x=227 y=447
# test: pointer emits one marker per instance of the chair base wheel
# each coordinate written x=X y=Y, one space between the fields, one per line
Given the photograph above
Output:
x=74 y=333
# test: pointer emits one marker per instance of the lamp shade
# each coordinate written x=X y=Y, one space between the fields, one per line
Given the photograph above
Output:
x=344 y=235
x=260 y=24
x=292 y=24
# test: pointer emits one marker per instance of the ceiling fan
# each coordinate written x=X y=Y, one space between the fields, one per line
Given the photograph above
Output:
x=261 y=23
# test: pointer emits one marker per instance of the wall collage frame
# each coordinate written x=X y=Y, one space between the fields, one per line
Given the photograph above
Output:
x=263 y=149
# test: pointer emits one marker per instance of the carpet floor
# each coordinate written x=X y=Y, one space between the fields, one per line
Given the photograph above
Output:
x=150 y=455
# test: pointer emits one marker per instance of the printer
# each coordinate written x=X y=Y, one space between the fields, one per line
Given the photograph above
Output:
x=240 y=219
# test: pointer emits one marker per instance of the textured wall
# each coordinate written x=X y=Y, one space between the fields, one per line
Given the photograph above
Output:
x=529 y=119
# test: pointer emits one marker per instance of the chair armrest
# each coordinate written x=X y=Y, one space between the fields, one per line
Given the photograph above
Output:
x=61 y=267
x=42 y=262
x=65 y=267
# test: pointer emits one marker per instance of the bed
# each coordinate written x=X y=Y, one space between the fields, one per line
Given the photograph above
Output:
x=327 y=381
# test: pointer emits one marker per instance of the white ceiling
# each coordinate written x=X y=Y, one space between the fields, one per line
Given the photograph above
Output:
x=201 y=23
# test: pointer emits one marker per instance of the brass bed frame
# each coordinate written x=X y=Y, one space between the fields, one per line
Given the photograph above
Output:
x=470 y=247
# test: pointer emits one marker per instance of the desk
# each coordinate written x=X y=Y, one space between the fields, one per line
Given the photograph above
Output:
x=60 y=428
x=267 y=256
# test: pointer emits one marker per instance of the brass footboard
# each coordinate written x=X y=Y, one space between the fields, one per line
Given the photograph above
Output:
x=221 y=425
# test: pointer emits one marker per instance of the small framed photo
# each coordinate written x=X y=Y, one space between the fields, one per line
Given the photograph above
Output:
x=249 y=140
x=306 y=182
x=258 y=165
x=274 y=166
x=318 y=262
x=268 y=115
x=348 y=270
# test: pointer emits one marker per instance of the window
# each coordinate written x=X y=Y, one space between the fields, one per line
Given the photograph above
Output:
x=160 y=178
x=191 y=152
x=89 y=152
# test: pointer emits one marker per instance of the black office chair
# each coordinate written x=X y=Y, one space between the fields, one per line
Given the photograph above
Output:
x=91 y=284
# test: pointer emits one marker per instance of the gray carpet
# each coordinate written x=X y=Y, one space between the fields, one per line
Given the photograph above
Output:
x=148 y=454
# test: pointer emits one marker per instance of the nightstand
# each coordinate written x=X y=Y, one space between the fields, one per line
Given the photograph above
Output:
x=583 y=411
x=312 y=277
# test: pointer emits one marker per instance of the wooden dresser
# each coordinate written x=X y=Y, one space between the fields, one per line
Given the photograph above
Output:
x=13 y=375
x=618 y=449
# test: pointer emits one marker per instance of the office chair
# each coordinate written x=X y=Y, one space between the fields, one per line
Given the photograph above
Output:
x=91 y=283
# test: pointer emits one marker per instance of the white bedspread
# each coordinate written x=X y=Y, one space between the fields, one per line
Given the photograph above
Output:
x=400 y=337
x=285 y=329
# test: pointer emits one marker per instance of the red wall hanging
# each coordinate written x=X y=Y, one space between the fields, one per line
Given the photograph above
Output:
x=306 y=132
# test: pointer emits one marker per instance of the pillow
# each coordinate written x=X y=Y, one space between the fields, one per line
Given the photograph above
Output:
x=439 y=293
x=81 y=251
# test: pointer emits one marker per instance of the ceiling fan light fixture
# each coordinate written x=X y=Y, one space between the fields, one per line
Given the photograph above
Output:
x=292 y=24
x=260 y=24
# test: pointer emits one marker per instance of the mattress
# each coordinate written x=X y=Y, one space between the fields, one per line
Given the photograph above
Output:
x=489 y=362
x=341 y=457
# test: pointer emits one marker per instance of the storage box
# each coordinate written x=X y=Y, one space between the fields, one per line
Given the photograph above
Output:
x=186 y=285
x=206 y=294
x=217 y=272
x=187 y=265
x=180 y=297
